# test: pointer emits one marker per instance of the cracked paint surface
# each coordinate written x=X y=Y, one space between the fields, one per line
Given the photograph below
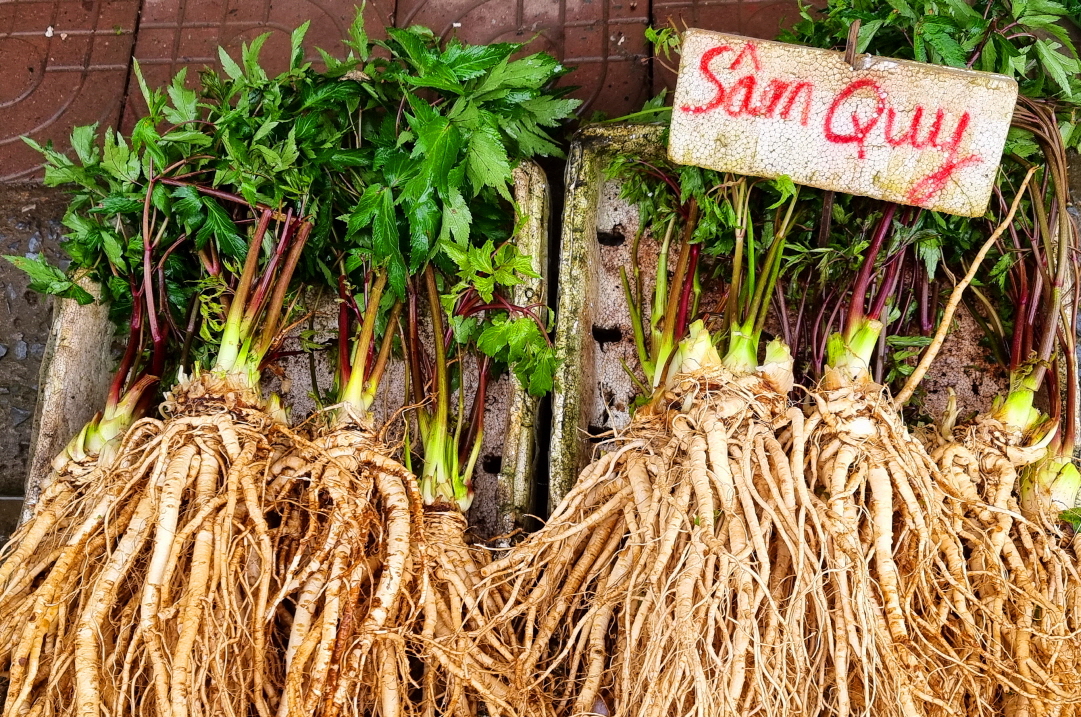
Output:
x=896 y=130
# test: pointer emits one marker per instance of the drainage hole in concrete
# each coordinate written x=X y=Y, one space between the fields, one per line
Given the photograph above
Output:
x=492 y=464
x=607 y=334
x=612 y=238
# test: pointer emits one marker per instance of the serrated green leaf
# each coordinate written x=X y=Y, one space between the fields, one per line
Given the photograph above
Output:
x=438 y=142
x=945 y=45
x=423 y=215
x=47 y=279
x=219 y=226
x=185 y=101
x=250 y=57
x=468 y=62
x=487 y=164
x=110 y=242
x=189 y=136
x=456 y=217
x=82 y=141
x=229 y=65
x=118 y=159
x=296 y=45
x=188 y=207
x=867 y=33
x=415 y=49
x=118 y=204
x=1056 y=64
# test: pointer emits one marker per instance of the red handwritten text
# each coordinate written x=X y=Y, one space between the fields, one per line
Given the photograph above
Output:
x=739 y=99
x=849 y=119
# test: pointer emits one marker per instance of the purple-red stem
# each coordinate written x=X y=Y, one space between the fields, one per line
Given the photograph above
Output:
x=116 y=389
x=888 y=286
x=476 y=419
x=685 y=294
x=260 y=294
x=863 y=278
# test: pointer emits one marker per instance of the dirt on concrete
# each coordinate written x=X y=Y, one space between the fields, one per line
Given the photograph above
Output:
x=30 y=217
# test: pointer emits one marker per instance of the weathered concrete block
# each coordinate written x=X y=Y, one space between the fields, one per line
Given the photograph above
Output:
x=900 y=131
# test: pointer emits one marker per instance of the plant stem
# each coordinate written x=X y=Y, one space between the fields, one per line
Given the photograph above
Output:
x=955 y=299
x=863 y=278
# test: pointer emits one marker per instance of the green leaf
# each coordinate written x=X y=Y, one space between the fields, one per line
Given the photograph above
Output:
x=296 y=42
x=82 y=141
x=1057 y=64
x=119 y=204
x=904 y=9
x=185 y=101
x=550 y=111
x=1073 y=517
x=110 y=242
x=456 y=217
x=468 y=62
x=47 y=279
x=415 y=49
x=358 y=38
x=118 y=160
x=149 y=96
x=229 y=65
x=867 y=33
x=188 y=207
x=423 y=215
x=438 y=142
x=487 y=164
x=189 y=136
x=250 y=56
x=221 y=227
x=529 y=72
x=264 y=129
x=289 y=152
x=948 y=48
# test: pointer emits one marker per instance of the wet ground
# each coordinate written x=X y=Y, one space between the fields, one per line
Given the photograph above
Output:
x=30 y=217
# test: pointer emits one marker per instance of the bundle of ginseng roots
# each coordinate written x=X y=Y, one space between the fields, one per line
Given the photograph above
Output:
x=208 y=568
x=1025 y=570
x=734 y=553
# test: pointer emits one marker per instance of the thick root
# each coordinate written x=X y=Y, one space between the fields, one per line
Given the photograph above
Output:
x=676 y=577
x=1026 y=574
x=214 y=568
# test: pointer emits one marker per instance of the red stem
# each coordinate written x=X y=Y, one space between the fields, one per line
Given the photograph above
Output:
x=476 y=420
x=268 y=274
x=888 y=286
x=863 y=278
x=116 y=389
x=685 y=295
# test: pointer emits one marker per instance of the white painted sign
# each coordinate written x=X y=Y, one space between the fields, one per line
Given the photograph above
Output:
x=900 y=131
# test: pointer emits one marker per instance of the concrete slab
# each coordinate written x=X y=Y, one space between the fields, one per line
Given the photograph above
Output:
x=29 y=224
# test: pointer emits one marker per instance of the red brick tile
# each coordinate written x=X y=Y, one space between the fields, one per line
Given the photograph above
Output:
x=72 y=50
x=33 y=16
x=200 y=44
x=159 y=11
x=205 y=11
x=765 y=19
x=51 y=85
x=111 y=49
x=154 y=44
x=116 y=14
x=76 y=15
x=7 y=17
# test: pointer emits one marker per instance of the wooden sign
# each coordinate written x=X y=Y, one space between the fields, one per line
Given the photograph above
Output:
x=900 y=131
